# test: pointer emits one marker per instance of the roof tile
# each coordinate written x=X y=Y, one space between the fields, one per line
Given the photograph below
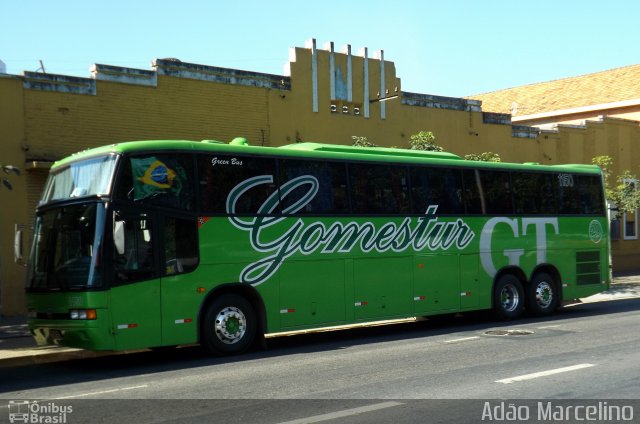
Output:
x=567 y=93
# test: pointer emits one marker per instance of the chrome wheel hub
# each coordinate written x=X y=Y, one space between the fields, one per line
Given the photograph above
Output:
x=544 y=294
x=231 y=325
x=509 y=298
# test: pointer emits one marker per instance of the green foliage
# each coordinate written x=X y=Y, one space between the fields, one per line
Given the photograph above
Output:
x=625 y=194
x=605 y=162
x=424 y=140
x=483 y=157
x=360 y=141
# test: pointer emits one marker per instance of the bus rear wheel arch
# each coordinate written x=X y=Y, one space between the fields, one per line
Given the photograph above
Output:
x=508 y=297
x=229 y=325
x=542 y=294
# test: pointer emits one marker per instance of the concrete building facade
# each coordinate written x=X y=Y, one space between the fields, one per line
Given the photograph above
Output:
x=325 y=95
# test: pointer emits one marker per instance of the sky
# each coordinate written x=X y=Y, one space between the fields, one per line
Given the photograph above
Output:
x=447 y=47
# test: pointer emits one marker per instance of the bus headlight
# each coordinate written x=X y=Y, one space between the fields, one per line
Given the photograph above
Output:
x=85 y=314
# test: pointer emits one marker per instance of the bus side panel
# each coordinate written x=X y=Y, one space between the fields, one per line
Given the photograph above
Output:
x=436 y=285
x=180 y=305
x=312 y=293
x=473 y=295
x=135 y=315
x=586 y=273
x=382 y=287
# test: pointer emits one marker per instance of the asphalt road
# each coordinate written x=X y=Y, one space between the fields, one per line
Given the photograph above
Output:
x=395 y=373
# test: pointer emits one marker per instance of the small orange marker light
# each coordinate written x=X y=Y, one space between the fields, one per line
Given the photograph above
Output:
x=420 y=265
x=201 y=290
x=92 y=314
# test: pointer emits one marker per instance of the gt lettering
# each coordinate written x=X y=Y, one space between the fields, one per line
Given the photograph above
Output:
x=513 y=255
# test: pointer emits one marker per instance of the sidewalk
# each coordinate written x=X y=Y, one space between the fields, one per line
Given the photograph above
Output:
x=18 y=348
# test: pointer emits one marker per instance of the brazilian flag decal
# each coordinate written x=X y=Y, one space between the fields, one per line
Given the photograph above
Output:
x=152 y=176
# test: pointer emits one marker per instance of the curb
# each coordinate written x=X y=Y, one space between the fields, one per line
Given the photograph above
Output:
x=53 y=354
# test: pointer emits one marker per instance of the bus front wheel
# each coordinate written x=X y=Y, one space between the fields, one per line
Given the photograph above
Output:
x=229 y=325
x=508 y=298
x=542 y=295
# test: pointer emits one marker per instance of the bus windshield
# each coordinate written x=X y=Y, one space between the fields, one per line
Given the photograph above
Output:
x=66 y=248
x=88 y=177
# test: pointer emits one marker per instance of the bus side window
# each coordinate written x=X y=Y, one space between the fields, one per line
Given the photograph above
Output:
x=591 y=196
x=133 y=258
x=473 y=200
x=438 y=187
x=569 y=194
x=161 y=180
x=379 y=189
x=496 y=189
x=534 y=193
x=180 y=245
x=331 y=198
x=219 y=174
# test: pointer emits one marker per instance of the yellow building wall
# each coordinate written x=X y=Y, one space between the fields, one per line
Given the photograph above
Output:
x=44 y=118
x=13 y=203
x=58 y=124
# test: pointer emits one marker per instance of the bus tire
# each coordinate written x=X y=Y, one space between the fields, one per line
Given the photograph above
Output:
x=508 y=298
x=229 y=325
x=542 y=295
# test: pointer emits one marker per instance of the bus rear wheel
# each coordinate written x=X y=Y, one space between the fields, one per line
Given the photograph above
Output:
x=229 y=325
x=508 y=298
x=542 y=295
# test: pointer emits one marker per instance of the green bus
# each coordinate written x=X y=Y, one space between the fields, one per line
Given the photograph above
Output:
x=164 y=243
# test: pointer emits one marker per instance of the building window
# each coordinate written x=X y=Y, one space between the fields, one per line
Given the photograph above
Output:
x=630 y=227
x=614 y=221
x=615 y=229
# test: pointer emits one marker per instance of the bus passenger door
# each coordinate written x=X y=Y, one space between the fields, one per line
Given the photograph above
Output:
x=436 y=286
x=181 y=299
x=135 y=293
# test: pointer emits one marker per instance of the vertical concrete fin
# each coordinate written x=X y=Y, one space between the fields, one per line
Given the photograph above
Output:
x=347 y=50
x=314 y=72
x=383 y=88
x=364 y=52
x=332 y=69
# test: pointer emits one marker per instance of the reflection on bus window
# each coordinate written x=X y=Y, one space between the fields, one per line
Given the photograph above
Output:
x=133 y=248
x=180 y=245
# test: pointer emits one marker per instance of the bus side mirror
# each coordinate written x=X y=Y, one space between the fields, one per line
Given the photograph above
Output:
x=118 y=237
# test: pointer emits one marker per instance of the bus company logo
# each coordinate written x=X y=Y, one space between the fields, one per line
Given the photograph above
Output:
x=595 y=231
x=418 y=234
x=233 y=161
x=24 y=411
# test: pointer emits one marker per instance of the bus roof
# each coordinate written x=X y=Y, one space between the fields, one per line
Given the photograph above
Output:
x=318 y=151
